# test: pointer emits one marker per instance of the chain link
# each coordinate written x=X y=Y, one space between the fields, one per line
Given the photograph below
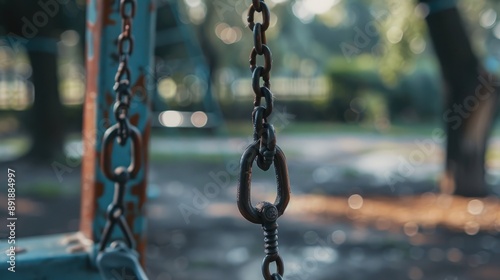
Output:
x=121 y=132
x=264 y=150
x=123 y=76
x=263 y=130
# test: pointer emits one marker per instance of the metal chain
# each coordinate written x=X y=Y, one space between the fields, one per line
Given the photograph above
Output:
x=122 y=77
x=121 y=132
x=264 y=149
x=262 y=129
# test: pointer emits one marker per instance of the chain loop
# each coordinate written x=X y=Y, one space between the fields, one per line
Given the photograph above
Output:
x=276 y=276
x=264 y=150
x=258 y=122
x=123 y=93
x=268 y=96
x=266 y=16
x=259 y=38
x=256 y=75
x=265 y=213
x=261 y=113
x=256 y=5
x=121 y=131
x=268 y=61
x=123 y=9
x=107 y=150
x=125 y=39
x=125 y=43
x=245 y=206
x=266 y=271
x=123 y=70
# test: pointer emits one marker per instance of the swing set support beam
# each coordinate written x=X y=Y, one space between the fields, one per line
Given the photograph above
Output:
x=103 y=27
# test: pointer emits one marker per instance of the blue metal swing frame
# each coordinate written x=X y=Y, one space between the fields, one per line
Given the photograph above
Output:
x=72 y=256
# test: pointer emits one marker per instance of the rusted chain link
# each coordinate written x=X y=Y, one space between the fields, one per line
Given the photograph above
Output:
x=264 y=150
x=121 y=132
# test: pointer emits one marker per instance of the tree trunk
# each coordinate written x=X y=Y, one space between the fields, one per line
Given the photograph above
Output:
x=46 y=117
x=470 y=105
x=38 y=29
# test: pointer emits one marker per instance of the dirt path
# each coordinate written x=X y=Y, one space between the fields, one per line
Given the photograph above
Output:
x=318 y=241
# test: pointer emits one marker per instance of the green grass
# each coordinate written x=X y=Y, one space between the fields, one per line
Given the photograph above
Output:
x=18 y=143
x=194 y=157
x=42 y=189
x=245 y=129
x=325 y=128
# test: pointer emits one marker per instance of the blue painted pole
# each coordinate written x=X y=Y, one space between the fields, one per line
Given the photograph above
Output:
x=103 y=28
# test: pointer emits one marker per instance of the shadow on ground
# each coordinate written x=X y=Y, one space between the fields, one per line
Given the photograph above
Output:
x=344 y=221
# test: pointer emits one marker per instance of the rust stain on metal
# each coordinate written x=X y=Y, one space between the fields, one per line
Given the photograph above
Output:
x=134 y=119
x=106 y=112
x=145 y=147
x=87 y=204
x=89 y=128
x=130 y=217
x=91 y=189
x=146 y=135
x=141 y=247
x=139 y=191
x=130 y=207
x=107 y=12
x=105 y=159
x=139 y=89
x=99 y=190
x=106 y=122
x=109 y=99
x=97 y=108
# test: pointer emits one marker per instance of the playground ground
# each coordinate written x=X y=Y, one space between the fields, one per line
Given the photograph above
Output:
x=363 y=207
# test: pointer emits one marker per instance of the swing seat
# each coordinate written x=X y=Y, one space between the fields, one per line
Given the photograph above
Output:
x=118 y=262
x=51 y=257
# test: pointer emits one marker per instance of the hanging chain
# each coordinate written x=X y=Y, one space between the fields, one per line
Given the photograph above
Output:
x=264 y=149
x=262 y=129
x=122 y=77
x=121 y=132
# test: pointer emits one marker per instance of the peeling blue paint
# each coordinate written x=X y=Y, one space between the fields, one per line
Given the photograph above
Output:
x=47 y=258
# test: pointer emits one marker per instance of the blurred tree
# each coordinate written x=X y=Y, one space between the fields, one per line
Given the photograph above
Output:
x=30 y=25
x=471 y=96
x=402 y=37
x=470 y=106
x=36 y=26
x=390 y=32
